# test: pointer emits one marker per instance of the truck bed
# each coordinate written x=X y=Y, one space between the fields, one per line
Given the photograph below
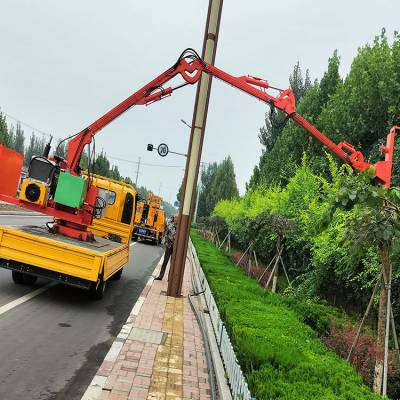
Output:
x=35 y=250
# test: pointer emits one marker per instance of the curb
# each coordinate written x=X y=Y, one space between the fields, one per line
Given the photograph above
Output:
x=95 y=388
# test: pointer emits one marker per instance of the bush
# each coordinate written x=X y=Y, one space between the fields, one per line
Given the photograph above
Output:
x=274 y=339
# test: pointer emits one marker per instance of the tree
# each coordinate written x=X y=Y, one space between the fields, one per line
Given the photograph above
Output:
x=207 y=177
x=19 y=139
x=275 y=122
x=297 y=83
x=101 y=165
x=276 y=166
x=223 y=186
x=61 y=149
x=179 y=194
x=11 y=137
x=114 y=173
x=4 y=138
x=35 y=148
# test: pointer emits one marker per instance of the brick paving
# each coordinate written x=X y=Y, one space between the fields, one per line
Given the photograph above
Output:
x=159 y=353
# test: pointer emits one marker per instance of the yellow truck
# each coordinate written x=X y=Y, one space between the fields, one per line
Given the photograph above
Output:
x=35 y=251
x=149 y=219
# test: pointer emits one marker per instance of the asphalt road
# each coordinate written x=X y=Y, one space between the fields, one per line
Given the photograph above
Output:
x=52 y=344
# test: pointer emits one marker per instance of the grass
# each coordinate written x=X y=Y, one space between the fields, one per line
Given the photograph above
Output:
x=276 y=338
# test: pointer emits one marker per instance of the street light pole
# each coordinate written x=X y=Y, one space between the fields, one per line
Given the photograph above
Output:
x=194 y=152
x=137 y=172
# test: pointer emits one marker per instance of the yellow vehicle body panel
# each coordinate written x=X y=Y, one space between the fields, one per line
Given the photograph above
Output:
x=35 y=246
x=110 y=224
x=139 y=212
x=160 y=222
x=105 y=227
x=149 y=218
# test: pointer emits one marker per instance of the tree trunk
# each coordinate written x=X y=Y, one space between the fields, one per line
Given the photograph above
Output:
x=276 y=270
x=384 y=249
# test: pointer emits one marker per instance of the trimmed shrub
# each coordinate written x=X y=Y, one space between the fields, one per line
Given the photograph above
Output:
x=276 y=337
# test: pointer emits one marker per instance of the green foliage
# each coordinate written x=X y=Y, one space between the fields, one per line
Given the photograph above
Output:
x=330 y=244
x=218 y=182
x=360 y=110
x=4 y=137
x=35 y=147
x=16 y=138
x=101 y=165
x=275 y=122
x=19 y=139
x=274 y=337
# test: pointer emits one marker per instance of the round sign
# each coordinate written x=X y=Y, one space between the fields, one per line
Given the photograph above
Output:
x=162 y=149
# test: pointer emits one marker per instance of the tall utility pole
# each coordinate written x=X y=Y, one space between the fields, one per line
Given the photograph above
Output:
x=137 y=172
x=194 y=151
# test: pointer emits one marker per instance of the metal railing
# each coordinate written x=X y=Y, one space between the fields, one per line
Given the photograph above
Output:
x=236 y=379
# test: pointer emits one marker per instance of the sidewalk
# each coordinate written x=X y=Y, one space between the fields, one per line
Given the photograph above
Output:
x=159 y=353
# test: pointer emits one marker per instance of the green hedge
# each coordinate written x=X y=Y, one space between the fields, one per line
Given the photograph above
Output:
x=273 y=336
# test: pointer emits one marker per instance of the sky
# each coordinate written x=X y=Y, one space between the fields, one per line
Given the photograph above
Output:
x=66 y=63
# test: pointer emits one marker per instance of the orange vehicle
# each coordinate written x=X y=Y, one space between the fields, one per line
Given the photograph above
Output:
x=149 y=219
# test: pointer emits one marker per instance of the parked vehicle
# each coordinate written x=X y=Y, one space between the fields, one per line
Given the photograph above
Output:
x=149 y=219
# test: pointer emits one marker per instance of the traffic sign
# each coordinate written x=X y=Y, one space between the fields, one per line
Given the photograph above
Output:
x=162 y=149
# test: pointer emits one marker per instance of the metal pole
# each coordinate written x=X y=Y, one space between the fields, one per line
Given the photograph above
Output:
x=194 y=151
x=137 y=173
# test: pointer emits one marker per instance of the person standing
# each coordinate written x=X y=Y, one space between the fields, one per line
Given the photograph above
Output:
x=168 y=241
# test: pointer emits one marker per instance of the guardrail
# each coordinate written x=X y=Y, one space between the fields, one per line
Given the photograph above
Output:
x=236 y=379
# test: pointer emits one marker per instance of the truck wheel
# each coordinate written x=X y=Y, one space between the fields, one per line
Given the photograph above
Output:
x=17 y=277
x=29 y=280
x=97 y=293
x=134 y=238
x=117 y=275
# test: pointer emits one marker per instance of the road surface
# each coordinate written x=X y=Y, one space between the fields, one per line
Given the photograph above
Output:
x=52 y=344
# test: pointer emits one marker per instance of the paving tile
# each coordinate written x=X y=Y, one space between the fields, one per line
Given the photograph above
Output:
x=161 y=354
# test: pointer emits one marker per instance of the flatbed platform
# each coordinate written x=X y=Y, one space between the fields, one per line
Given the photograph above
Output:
x=99 y=245
x=33 y=249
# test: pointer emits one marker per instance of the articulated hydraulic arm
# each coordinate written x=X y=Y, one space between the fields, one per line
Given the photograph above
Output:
x=190 y=67
x=62 y=176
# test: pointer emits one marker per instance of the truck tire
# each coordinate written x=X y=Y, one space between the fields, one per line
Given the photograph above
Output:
x=17 y=277
x=117 y=275
x=134 y=238
x=29 y=280
x=96 y=291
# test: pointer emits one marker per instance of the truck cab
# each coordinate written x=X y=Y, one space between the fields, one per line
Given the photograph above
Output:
x=116 y=221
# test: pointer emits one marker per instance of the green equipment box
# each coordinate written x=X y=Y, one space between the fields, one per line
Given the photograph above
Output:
x=71 y=190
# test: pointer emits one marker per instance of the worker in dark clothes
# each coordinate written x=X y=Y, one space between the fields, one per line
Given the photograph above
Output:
x=168 y=241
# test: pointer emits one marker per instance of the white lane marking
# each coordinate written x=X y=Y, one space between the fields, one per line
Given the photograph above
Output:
x=12 y=304
x=133 y=243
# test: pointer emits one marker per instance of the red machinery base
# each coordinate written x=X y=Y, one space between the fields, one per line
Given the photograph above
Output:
x=72 y=230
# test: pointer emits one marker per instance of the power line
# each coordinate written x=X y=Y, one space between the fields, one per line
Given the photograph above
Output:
x=28 y=125
x=111 y=157
x=146 y=164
